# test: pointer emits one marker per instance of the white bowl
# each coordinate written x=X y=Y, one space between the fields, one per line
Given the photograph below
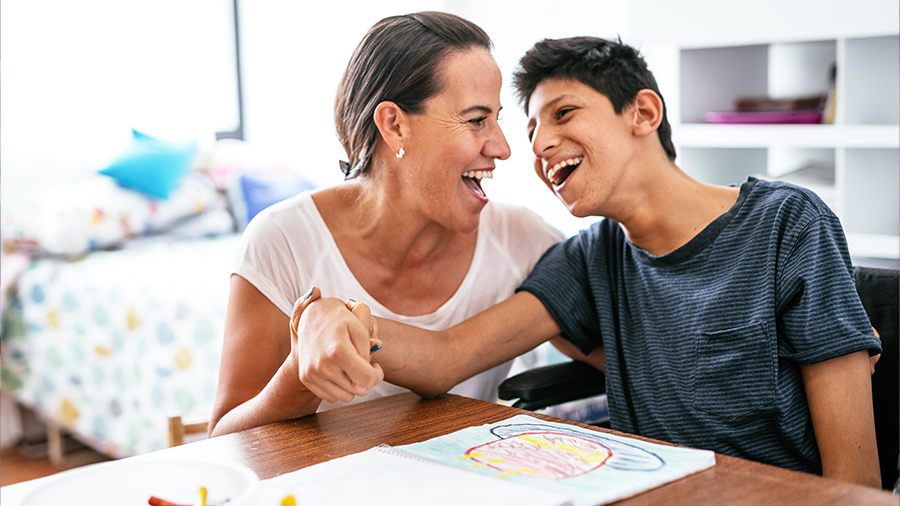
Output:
x=133 y=482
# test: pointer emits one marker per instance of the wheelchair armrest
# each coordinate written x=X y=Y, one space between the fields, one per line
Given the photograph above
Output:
x=553 y=384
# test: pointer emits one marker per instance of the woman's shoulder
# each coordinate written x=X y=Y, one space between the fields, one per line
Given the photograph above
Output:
x=284 y=237
x=292 y=216
x=517 y=221
x=516 y=233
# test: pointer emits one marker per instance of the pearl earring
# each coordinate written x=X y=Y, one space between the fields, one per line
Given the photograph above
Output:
x=401 y=153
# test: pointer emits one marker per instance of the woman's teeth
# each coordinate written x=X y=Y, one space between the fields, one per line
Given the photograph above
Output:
x=479 y=174
x=551 y=174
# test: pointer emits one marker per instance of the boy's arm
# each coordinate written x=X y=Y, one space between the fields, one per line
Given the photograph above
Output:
x=596 y=358
x=839 y=392
x=427 y=362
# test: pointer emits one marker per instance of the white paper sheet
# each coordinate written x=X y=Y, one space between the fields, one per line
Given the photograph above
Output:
x=521 y=460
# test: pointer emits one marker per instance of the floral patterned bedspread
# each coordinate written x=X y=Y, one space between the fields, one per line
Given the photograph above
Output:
x=113 y=344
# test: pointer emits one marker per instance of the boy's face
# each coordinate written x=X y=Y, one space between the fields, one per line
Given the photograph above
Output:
x=581 y=146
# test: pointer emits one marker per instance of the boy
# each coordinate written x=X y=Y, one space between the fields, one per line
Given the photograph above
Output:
x=725 y=318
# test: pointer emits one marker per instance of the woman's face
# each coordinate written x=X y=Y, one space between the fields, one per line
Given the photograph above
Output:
x=454 y=142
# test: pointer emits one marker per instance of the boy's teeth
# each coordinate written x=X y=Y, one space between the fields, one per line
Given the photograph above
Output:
x=479 y=174
x=565 y=163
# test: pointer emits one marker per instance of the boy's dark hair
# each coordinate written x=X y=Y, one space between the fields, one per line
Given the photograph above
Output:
x=399 y=60
x=612 y=68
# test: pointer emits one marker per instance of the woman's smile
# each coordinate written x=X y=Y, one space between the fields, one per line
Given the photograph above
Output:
x=472 y=180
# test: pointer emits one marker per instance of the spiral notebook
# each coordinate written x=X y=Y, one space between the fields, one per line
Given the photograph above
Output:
x=520 y=460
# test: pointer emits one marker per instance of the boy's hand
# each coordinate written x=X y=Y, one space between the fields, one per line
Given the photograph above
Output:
x=331 y=345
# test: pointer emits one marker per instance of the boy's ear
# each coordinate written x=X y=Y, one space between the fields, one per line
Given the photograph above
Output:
x=391 y=122
x=647 y=110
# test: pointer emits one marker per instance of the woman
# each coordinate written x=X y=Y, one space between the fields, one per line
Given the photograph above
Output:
x=409 y=232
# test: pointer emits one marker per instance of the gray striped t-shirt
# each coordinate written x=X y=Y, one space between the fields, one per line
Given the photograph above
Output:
x=703 y=344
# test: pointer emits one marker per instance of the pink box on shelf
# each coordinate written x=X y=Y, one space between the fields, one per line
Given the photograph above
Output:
x=766 y=117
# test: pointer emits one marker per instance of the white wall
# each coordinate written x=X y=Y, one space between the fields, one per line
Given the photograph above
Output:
x=715 y=22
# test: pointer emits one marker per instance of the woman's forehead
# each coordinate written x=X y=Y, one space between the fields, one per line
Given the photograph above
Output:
x=469 y=78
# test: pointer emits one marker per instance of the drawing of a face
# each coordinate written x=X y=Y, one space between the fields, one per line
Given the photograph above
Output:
x=544 y=455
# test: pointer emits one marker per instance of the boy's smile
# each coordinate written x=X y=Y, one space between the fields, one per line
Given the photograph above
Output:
x=558 y=173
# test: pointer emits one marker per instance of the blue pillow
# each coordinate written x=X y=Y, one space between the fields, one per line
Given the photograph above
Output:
x=151 y=166
x=250 y=193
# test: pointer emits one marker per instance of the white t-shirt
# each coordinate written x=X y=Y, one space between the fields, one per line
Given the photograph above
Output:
x=287 y=248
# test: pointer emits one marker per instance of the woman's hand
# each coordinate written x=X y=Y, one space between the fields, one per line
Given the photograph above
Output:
x=258 y=377
x=331 y=341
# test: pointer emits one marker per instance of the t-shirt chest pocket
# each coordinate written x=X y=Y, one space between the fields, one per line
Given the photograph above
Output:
x=734 y=374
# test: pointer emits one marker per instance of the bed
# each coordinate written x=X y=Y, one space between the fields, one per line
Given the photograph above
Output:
x=110 y=360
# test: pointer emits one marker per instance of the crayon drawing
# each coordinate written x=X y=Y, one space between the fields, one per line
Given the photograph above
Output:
x=555 y=453
x=587 y=466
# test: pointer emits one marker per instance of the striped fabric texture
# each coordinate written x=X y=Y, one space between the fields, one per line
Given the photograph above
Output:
x=703 y=345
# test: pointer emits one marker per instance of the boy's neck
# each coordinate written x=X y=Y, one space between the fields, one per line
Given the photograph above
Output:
x=671 y=208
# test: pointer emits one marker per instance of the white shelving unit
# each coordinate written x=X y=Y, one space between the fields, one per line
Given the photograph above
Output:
x=854 y=164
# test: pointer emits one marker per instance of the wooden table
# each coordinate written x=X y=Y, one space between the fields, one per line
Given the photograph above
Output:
x=402 y=419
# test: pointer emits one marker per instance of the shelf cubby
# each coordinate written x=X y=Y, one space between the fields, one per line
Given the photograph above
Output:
x=853 y=164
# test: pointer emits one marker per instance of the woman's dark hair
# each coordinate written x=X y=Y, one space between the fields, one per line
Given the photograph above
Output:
x=612 y=68
x=398 y=60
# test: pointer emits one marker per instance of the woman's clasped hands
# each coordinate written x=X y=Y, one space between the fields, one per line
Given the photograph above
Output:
x=331 y=341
